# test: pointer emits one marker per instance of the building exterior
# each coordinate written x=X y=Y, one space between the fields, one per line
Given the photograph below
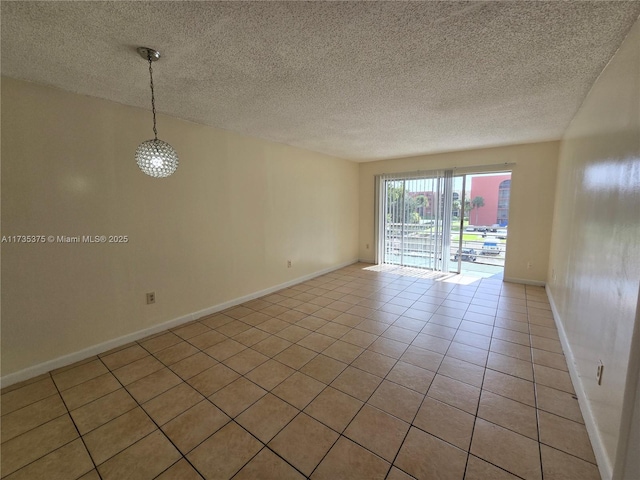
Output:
x=495 y=191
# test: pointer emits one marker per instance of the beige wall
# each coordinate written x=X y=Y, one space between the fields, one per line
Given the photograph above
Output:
x=595 y=252
x=531 y=210
x=222 y=227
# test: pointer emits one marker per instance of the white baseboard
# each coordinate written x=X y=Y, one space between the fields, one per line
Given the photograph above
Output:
x=80 y=355
x=604 y=462
x=524 y=281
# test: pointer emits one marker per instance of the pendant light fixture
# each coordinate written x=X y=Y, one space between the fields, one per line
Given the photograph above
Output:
x=155 y=157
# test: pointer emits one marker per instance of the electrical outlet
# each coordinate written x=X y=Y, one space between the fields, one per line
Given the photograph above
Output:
x=553 y=274
x=529 y=265
x=151 y=298
x=599 y=372
x=288 y=263
x=367 y=246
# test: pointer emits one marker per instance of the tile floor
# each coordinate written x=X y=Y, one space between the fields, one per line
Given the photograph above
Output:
x=358 y=374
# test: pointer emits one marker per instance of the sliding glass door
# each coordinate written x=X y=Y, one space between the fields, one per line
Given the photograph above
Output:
x=414 y=220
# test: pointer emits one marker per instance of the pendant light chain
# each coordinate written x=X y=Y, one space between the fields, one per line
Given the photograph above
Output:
x=153 y=99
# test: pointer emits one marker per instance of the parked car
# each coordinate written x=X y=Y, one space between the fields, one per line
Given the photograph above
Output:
x=490 y=248
x=468 y=255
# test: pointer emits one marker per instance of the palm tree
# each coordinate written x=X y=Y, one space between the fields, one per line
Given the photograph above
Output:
x=476 y=203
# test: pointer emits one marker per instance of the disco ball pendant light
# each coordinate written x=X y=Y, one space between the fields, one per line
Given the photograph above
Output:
x=155 y=157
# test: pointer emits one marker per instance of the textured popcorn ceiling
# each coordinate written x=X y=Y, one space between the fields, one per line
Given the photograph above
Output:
x=359 y=80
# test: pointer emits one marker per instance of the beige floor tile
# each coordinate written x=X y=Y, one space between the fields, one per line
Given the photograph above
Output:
x=88 y=391
x=431 y=342
x=316 y=342
x=359 y=337
x=475 y=327
x=396 y=400
x=153 y=385
x=566 y=435
x=273 y=325
x=425 y=457
x=558 y=402
x=377 y=431
x=172 y=403
x=295 y=356
x=237 y=396
x=161 y=342
x=413 y=320
x=293 y=333
x=252 y=336
x=510 y=387
x=334 y=330
x=455 y=393
x=441 y=331
x=213 y=379
x=547 y=332
x=225 y=452
x=374 y=363
x=511 y=336
x=233 y=328
x=26 y=394
x=511 y=366
x=548 y=344
x=467 y=353
x=102 y=410
x=24 y=449
x=144 y=460
x=223 y=350
x=472 y=339
x=191 y=329
x=75 y=376
x=31 y=416
x=463 y=371
x=193 y=365
x=508 y=413
x=70 y=461
x=238 y=312
x=422 y=358
x=349 y=461
x=245 y=361
x=215 y=321
x=445 y=422
x=350 y=320
x=549 y=359
x=508 y=450
x=510 y=349
x=299 y=390
x=478 y=469
x=270 y=374
x=328 y=314
x=356 y=383
x=388 y=347
x=268 y=466
x=124 y=357
x=323 y=368
x=410 y=376
x=304 y=442
x=193 y=426
x=181 y=470
x=522 y=327
x=272 y=346
x=138 y=369
x=557 y=464
x=334 y=408
x=397 y=474
x=554 y=378
x=207 y=339
x=310 y=322
x=343 y=351
x=113 y=437
x=267 y=417
x=371 y=326
x=175 y=353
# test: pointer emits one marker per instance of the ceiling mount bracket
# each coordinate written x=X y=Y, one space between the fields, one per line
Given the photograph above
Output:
x=149 y=53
